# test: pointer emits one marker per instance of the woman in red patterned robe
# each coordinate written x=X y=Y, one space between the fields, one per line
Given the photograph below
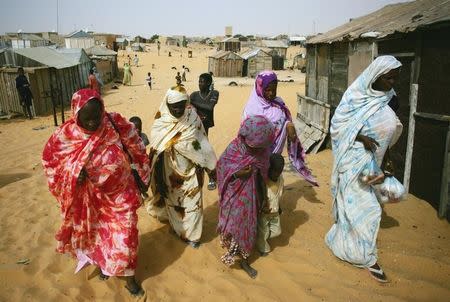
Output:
x=90 y=175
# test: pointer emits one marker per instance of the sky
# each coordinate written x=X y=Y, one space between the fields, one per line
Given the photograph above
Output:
x=183 y=17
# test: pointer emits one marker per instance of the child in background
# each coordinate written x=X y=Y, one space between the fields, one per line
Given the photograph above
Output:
x=138 y=124
x=269 y=217
x=149 y=80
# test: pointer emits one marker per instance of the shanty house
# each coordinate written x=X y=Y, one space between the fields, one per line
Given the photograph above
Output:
x=416 y=34
x=255 y=61
x=230 y=44
x=54 y=75
x=105 y=61
x=28 y=40
x=79 y=39
x=225 y=64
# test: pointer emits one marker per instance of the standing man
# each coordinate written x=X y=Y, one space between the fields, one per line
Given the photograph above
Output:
x=136 y=60
x=204 y=101
x=23 y=87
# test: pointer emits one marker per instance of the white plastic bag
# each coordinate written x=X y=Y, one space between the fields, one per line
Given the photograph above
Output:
x=371 y=169
x=390 y=190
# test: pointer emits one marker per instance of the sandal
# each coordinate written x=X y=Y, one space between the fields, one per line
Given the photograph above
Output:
x=212 y=185
x=136 y=292
x=378 y=274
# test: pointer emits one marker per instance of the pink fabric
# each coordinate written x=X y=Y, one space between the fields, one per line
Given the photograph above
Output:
x=277 y=112
x=238 y=198
x=99 y=216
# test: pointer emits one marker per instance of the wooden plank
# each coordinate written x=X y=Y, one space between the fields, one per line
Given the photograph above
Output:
x=443 y=203
x=432 y=116
x=411 y=128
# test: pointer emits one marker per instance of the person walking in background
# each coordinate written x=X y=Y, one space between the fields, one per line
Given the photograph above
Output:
x=25 y=95
x=136 y=60
x=98 y=77
x=178 y=79
x=149 y=80
x=93 y=83
x=127 y=74
x=88 y=162
x=204 y=102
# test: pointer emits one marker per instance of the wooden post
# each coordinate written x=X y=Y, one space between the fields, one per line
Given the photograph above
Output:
x=411 y=128
x=443 y=202
x=52 y=95
x=62 y=103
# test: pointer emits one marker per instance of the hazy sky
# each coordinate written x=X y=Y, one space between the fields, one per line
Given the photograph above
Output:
x=188 y=17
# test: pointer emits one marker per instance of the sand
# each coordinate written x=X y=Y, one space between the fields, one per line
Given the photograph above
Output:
x=414 y=245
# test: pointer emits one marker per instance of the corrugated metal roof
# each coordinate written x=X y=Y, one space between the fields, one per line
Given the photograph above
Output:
x=400 y=17
x=223 y=53
x=274 y=44
x=57 y=58
x=229 y=39
x=31 y=37
x=79 y=34
x=100 y=51
x=251 y=53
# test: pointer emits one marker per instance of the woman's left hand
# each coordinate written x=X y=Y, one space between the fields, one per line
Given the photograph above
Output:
x=291 y=133
x=375 y=179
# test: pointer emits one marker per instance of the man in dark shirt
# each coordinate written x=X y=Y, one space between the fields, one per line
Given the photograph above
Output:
x=204 y=102
x=23 y=87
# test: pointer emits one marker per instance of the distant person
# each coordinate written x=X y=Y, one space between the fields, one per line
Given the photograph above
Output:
x=93 y=83
x=241 y=173
x=98 y=77
x=178 y=79
x=136 y=60
x=183 y=75
x=204 y=102
x=137 y=122
x=129 y=60
x=149 y=80
x=269 y=216
x=25 y=95
x=127 y=74
x=211 y=87
x=159 y=46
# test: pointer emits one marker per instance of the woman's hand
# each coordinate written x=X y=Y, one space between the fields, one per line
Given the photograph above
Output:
x=82 y=177
x=291 y=133
x=369 y=143
x=375 y=179
x=244 y=173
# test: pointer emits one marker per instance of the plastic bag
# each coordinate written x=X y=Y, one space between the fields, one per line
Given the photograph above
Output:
x=371 y=169
x=390 y=190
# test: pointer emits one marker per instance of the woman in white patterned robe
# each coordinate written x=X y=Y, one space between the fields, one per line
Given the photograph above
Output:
x=362 y=129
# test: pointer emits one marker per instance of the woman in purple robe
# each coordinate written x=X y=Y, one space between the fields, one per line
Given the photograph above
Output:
x=264 y=101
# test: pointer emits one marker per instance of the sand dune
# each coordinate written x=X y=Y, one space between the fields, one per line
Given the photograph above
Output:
x=414 y=245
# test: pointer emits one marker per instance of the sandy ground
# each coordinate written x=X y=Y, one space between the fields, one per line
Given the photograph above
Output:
x=414 y=245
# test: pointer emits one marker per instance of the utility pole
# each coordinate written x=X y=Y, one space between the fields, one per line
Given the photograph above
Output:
x=57 y=17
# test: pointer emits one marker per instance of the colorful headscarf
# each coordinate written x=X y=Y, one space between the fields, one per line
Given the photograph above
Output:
x=277 y=112
x=185 y=134
x=238 y=198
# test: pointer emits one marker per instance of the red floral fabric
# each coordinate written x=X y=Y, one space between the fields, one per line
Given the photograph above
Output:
x=99 y=217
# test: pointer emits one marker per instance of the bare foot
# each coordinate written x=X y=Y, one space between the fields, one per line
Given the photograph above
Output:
x=248 y=269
